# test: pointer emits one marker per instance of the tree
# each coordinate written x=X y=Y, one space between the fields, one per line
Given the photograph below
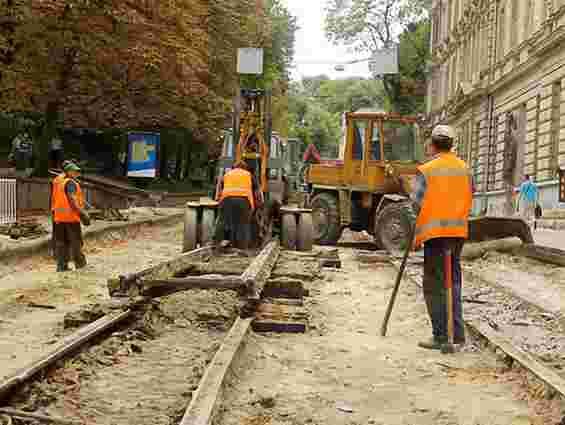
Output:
x=369 y=25
x=125 y=64
x=316 y=104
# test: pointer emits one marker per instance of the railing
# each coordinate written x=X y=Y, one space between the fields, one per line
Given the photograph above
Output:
x=8 y=201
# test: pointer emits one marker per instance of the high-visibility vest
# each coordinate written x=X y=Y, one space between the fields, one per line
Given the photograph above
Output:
x=60 y=205
x=448 y=199
x=238 y=183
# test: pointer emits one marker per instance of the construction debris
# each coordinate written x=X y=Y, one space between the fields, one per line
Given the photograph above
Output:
x=23 y=229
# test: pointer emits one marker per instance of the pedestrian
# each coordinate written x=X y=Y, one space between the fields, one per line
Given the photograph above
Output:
x=528 y=199
x=67 y=209
x=442 y=201
x=22 y=153
x=237 y=203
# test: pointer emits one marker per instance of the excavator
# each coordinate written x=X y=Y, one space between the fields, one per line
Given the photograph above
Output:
x=252 y=140
x=366 y=188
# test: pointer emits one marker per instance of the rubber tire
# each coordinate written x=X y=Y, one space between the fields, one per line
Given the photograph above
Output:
x=332 y=233
x=207 y=226
x=288 y=231
x=305 y=236
x=190 y=240
x=383 y=222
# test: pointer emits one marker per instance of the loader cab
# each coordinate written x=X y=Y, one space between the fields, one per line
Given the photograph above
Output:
x=276 y=176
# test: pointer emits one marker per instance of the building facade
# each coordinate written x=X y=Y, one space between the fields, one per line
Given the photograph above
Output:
x=494 y=62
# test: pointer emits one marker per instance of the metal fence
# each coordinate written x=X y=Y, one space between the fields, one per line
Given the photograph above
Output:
x=8 y=201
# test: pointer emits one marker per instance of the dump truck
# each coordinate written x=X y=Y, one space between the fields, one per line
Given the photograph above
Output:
x=253 y=141
x=367 y=187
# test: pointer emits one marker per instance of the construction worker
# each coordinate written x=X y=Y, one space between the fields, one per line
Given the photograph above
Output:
x=237 y=203
x=442 y=199
x=67 y=209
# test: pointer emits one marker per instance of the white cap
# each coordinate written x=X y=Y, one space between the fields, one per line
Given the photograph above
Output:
x=443 y=131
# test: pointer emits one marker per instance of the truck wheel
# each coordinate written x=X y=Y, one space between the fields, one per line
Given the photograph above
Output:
x=190 y=229
x=325 y=217
x=288 y=231
x=207 y=226
x=305 y=232
x=391 y=230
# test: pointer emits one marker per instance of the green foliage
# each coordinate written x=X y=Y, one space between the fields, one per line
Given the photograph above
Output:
x=368 y=25
x=316 y=104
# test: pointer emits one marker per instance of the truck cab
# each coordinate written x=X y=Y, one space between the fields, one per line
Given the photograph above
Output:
x=363 y=189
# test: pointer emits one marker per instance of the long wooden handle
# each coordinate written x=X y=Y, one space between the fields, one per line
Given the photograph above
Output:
x=398 y=280
x=449 y=287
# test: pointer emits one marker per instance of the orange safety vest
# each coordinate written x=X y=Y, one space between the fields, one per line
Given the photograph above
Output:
x=60 y=205
x=238 y=183
x=448 y=199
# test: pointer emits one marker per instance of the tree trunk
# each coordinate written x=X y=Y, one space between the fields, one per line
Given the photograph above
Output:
x=41 y=145
x=179 y=163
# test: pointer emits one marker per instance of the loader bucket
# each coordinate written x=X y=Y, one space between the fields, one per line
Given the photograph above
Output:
x=489 y=228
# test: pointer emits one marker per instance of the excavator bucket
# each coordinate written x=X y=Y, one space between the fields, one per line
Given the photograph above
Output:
x=489 y=228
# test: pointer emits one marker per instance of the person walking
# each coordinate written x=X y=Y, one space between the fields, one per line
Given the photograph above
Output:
x=528 y=199
x=441 y=203
x=22 y=153
x=237 y=203
x=67 y=209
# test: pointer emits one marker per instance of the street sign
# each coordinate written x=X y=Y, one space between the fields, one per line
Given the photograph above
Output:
x=384 y=61
x=142 y=154
x=249 y=61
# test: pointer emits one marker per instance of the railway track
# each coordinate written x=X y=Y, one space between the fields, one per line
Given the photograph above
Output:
x=132 y=347
x=522 y=332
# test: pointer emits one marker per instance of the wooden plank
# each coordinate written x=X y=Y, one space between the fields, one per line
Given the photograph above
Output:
x=128 y=284
x=161 y=287
x=205 y=402
x=256 y=275
x=67 y=346
x=34 y=416
x=544 y=254
x=276 y=326
x=284 y=288
x=525 y=359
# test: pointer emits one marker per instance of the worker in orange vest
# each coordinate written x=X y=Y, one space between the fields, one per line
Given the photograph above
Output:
x=237 y=203
x=442 y=199
x=67 y=210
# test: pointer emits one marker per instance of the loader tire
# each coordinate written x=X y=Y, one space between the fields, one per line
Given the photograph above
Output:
x=326 y=221
x=207 y=226
x=190 y=230
x=305 y=238
x=288 y=231
x=391 y=230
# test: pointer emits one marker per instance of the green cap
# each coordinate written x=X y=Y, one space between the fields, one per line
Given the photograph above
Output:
x=70 y=166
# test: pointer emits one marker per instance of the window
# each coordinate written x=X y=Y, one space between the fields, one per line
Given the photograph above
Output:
x=491 y=158
x=555 y=123
x=501 y=25
x=376 y=142
x=400 y=142
x=359 y=139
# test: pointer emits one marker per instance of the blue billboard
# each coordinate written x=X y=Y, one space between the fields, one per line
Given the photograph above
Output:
x=143 y=154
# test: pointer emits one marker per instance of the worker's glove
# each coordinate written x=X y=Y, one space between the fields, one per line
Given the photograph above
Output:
x=84 y=218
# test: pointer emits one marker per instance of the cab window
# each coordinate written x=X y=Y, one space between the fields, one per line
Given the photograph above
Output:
x=400 y=141
x=359 y=139
x=376 y=142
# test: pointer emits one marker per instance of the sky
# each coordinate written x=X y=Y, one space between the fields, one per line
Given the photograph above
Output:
x=312 y=45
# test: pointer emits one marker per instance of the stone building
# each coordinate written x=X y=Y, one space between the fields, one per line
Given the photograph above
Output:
x=494 y=60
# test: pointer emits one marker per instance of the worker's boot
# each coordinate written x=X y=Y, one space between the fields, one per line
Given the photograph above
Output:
x=432 y=343
x=62 y=265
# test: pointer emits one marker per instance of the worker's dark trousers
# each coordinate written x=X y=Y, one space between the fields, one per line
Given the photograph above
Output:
x=435 y=293
x=234 y=223
x=68 y=244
